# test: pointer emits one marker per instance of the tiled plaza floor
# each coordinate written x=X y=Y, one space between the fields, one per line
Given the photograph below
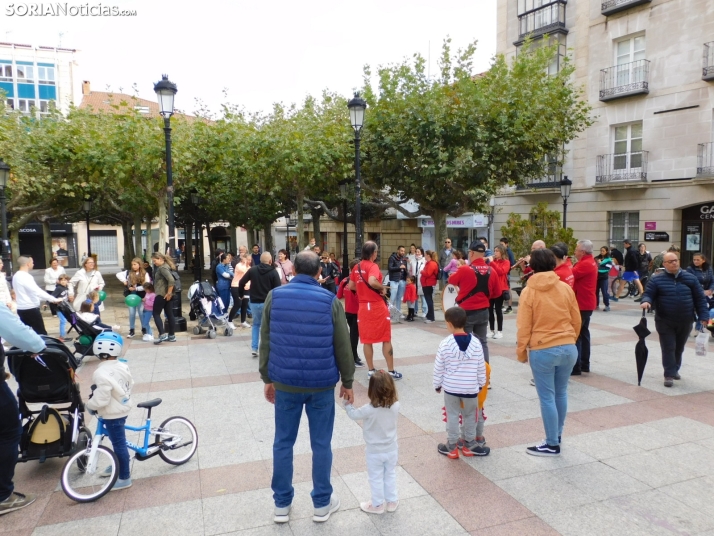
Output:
x=635 y=460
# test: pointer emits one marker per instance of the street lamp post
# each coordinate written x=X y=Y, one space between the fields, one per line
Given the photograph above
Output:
x=357 y=107
x=166 y=91
x=565 y=186
x=345 y=257
x=6 y=257
x=197 y=257
x=87 y=209
x=491 y=216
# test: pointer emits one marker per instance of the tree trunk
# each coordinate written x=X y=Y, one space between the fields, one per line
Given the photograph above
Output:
x=316 y=213
x=211 y=250
x=15 y=246
x=47 y=241
x=163 y=229
x=149 y=240
x=300 y=221
x=234 y=238
x=126 y=227
x=267 y=232
x=250 y=236
x=137 y=236
x=439 y=217
x=189 y=246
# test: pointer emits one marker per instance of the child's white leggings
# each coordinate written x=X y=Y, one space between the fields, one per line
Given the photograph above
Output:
x=381 y=469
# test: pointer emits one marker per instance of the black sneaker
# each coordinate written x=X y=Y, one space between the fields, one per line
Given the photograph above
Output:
x=544 y=450
x=171 y=338
x=131 y=333
x=143 y=331
x=508 y=310
x=450 y=451
x=576 y=372
x=476 y=449
x=161 y=339
x=359 y=363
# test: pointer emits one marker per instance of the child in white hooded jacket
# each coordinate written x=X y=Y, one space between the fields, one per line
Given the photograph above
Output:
x=111 y=399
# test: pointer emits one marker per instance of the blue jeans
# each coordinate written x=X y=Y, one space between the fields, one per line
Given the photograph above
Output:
x=551 y=369
x=320 y=410
x=117 y=435
x=602 y=287
x=225 y=295
x=257 y=309
x=424 y=307
x=397 y=292
x=132 y=315
x=146 y=317
x=10 y=432
x=63 y=324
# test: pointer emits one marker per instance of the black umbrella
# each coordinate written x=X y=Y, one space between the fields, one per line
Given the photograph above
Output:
x=641 y=351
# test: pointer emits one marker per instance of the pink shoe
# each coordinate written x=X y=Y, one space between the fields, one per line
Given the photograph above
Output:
x=392 y=506
x=367 y=507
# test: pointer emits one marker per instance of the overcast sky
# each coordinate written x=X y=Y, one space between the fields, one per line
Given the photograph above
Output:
x=259 y=52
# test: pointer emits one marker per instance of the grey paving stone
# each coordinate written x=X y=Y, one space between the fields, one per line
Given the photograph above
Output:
x=229 y=453
x=599 y=480
x=543 y=492
x=600 y=446
x=238 y=511
x=303 y=506
x=420 y=515
x=644 y=436
x=177 y=518
x=352 y=522
x=407 y=487
x=708 y=443
x=684 y=428
x=653 y=468
x=104 y=526
x=662 y=514
x=697 y=493
x=276 y=529
x=592 y=518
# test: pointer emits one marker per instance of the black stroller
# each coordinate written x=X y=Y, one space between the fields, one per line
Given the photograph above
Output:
x=54 y=425
x=85 y=331
x=206 y=307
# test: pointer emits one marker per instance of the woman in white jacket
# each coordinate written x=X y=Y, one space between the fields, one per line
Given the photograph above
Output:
x=85 y=281
x=415 y=268
x=51 y=275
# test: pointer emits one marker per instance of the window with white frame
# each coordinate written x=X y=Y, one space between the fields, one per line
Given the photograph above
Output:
x=5 y=72
x=24 y=105
x=46 y=76
x=627 y=150
x=624 y=225
x=44 y=106
x=628 y=53
x=25 y=74
x=10 y=104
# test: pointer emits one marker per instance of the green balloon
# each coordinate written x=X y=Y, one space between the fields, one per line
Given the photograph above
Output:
x=102 y=295
x=132 y=300
x=85 y=340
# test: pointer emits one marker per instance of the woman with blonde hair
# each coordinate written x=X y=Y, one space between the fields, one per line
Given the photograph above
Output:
x=134 y=280
x=85 y=281
x=164 y=288
x=51 y=275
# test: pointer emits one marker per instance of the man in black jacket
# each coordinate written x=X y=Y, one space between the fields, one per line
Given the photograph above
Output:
x=397 y=266
x=675 y=294
x=263 y=278
x=632 y=266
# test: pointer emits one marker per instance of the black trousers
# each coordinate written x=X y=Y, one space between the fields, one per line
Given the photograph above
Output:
x=53 y=309
x=33 y=319
x=330 y=285
x=354 y=332
x=160 y=304
x=672 y=338
x=583 y=342
x=238 y=304
x=10 y=432
x=429 y=297
x=496 y=304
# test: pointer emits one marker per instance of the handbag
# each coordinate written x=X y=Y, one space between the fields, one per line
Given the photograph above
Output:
x=701 y=344
x=506 y=295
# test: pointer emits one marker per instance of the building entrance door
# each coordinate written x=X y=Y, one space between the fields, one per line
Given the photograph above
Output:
x=697 y=232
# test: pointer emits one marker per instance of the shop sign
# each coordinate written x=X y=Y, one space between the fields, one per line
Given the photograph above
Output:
x=656 y=237
x=699 y=212
x=650 y=226
x=28 y=230
x=470 y=221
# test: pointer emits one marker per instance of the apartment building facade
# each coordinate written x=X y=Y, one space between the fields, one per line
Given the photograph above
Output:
x=645 y=169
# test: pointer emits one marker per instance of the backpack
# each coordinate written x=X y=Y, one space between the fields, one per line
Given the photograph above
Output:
x=47 y=435
x=177 y=280
x=481 y=285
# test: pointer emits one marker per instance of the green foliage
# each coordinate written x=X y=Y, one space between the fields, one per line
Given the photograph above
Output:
x=541 y=224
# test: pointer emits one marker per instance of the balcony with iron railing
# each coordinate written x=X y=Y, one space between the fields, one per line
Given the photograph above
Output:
x=610 y=7
x=550 y=180
x=547 y=19
x=622 y=167
x=625 y=80
x=708 y=61
x=705 y=160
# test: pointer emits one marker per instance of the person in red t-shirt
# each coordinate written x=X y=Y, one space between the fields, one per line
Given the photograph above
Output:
x=476 y=305
x=351 y=309
x=563 y=266
x=585 y=274
x=501 y=266
x=373 y=314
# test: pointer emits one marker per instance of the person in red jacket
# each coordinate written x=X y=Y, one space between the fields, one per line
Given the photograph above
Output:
x=475 y=292
x=410 y=296
x=428 y=281
x=351 y=309
x=585 y=274
x=501 y=266
x=563 y=266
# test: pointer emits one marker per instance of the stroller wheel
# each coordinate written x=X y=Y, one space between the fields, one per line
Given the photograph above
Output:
x=228 y=332
x=212 y=334
x=196 y=330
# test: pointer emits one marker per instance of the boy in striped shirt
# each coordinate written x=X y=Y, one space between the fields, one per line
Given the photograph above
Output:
x=460 y=370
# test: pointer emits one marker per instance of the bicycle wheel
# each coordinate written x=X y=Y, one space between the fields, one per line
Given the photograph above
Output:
x=178 y=439
x=84 y=440
x=80 y=485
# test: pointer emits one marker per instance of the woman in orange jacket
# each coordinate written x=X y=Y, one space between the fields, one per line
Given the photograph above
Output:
x=428 y=281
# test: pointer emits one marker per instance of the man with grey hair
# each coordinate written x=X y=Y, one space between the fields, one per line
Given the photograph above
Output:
x=304 y=350
x=263 y=278
x=584 y=285
x=29 y=296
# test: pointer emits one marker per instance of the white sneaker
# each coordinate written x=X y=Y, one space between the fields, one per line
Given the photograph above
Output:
x=245 y=325
x=491 y=335
x=498 y=335
x=116 y=327
x=147 y=338
x=422 y=315
x=230 y=325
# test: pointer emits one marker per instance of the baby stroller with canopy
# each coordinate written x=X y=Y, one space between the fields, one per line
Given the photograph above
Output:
x=51 y=408
x=207 y=307
x=86 y=332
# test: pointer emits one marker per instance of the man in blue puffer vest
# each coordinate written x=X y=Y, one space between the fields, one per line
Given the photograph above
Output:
x=304 y=351
x=676 y=295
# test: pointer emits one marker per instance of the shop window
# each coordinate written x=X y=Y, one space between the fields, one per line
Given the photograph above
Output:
x=624 y=225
